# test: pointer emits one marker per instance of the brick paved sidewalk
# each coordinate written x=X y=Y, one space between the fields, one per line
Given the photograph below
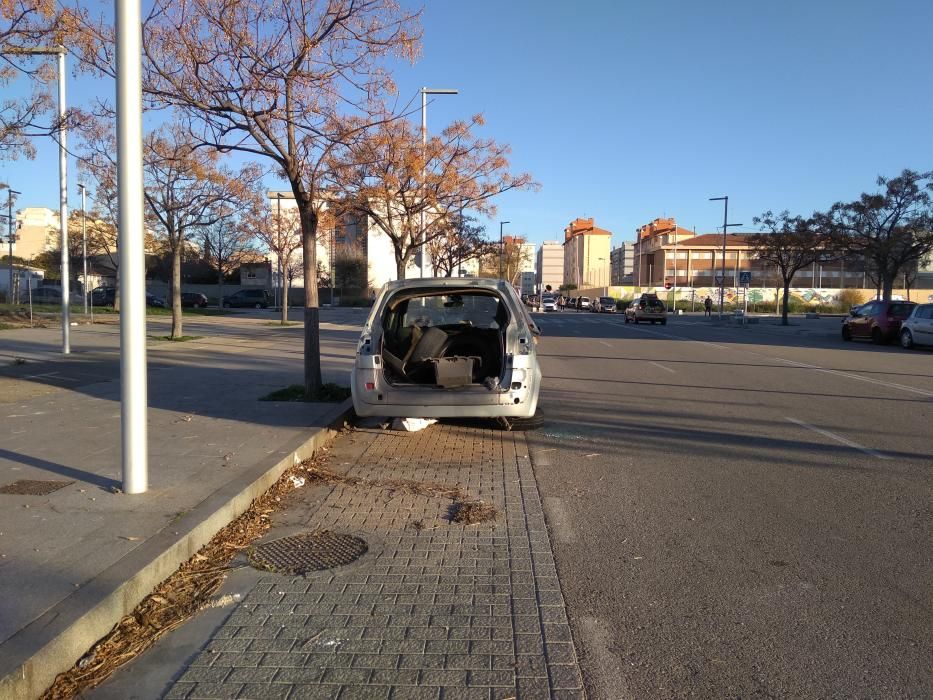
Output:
x=434 y=610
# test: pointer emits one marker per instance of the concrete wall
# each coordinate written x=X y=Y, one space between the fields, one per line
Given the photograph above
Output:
x=760 y=295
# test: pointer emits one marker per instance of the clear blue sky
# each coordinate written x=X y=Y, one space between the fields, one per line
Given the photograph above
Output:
x=629 y=110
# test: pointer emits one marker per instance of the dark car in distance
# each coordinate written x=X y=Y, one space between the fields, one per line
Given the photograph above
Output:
x=248 y=299
x=107 y=296
x=878 y=320
x=194 y=300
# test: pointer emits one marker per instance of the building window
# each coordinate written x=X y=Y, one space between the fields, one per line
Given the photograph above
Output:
x=702 y=256
x=251 y=274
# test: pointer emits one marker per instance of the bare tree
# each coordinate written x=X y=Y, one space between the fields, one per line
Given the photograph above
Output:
x=893 y=228
x=412 y=192
x=280 y=234
x=789 y=243
x=462 y=242
x=26 y=24
x=271 y=78
x=228 y=243
x=185 y=190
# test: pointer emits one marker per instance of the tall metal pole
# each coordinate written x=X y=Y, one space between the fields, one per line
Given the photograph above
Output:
x=424 y=163
x=722 y=280
x=133 y=386
x=675 y=268
x=424 y=153
x=11 y=237
x=63 y=206
x=501 y=246
x=278 y=255
x=84 y=241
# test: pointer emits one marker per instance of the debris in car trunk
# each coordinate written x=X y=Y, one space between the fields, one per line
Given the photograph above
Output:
x=412 y=425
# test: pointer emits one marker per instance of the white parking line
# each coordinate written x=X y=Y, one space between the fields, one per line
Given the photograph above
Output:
x=660 y=366
x=603 y=342
x=838 y=438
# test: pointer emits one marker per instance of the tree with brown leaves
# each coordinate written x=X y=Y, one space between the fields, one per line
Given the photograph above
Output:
x=185 y=190
x=272 y=78
x=413 y=192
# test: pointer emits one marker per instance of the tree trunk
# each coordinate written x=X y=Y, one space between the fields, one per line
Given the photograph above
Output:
x=887 y=286
x=785 y=303
x=283 y=299
x=400 y=265
x=312 y=316
x=175 y=293
x=220 y=288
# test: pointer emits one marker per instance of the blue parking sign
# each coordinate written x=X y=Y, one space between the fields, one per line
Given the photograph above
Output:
x=745 y=278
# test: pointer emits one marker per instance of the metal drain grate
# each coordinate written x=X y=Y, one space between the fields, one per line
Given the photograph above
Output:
x=312 y=551
x=29 y=487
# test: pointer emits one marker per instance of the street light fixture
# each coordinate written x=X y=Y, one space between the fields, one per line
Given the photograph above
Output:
x=424 y=148
x=725 y=228
x=501 y=248
x=59 y=51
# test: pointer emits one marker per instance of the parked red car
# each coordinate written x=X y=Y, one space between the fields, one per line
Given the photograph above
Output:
x=878 y=320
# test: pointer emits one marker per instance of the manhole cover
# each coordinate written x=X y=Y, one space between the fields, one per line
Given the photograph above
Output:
x=28 y=487
x=307 y=552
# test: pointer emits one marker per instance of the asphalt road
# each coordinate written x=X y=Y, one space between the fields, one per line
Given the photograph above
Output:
x=739 y=512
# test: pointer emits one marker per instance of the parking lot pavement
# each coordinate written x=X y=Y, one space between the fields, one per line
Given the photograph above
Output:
x=435 y=609
x=759 y=501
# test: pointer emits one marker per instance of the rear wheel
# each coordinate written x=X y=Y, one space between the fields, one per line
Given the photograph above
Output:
x=877 y=336
x=907 y=339
x=846 y=333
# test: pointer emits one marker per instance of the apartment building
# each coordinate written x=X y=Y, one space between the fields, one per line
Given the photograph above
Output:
x=622 y=264
x=550 y=265
x=586 y=254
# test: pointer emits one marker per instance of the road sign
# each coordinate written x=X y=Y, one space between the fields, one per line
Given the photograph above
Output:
x=745 y=278
x=719 y=279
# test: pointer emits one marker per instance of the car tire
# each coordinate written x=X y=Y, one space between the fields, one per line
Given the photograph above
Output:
x=846 y=334
x=535 y=422
x=907 y=339
x=877 y=337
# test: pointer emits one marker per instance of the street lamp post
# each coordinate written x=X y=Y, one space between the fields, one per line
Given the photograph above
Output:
x=63 y=179
x=11 y=237
x=501 y=248
x=725 y=229
x=424 y=150
x=84 y=242
x=278 y=256
x=133 y=383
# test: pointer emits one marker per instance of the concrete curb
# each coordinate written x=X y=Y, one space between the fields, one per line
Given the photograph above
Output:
x=32 y=658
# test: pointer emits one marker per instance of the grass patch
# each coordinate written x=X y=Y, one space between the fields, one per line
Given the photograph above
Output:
x=296 y=392
x=159 y=311
x=179 y=339
x=7 y=326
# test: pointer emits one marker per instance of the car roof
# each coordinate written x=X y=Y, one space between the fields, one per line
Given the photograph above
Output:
x=456 y=282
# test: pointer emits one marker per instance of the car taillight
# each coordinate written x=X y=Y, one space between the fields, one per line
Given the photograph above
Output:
x=370 y=386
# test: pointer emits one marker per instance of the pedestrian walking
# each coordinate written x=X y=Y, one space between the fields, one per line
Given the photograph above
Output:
x=708 y=306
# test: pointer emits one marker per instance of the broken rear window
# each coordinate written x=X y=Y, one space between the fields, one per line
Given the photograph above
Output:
x=475 y=310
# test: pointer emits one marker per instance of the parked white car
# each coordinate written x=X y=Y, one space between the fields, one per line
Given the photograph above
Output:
x=548 y=303
x=448 y=348
x=917 y=329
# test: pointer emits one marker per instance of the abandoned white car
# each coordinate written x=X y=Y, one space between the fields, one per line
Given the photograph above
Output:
x=448 y=348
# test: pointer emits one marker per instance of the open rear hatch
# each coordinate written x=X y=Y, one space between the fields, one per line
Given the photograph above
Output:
x=450 y=339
